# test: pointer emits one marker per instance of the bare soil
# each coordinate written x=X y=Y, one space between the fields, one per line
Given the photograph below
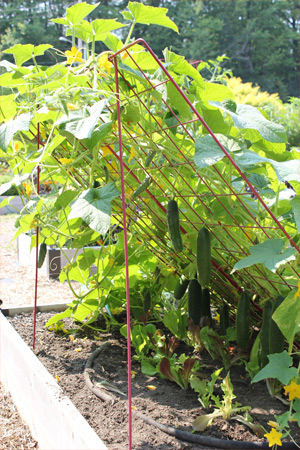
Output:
x=65 y=359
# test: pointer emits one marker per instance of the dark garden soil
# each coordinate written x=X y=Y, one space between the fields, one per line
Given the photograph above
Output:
x=167 y=404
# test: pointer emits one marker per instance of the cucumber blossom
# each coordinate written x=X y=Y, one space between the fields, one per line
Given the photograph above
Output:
x=194 y=301
x=264 y=334
x=203 y=256
x=174 y=225
x=242 y=322
x=276 y=338
x=181 y=287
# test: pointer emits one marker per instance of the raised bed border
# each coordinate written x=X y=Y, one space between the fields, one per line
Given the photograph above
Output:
x=54 y=421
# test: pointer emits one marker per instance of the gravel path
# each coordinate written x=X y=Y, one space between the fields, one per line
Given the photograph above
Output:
x=17 y=281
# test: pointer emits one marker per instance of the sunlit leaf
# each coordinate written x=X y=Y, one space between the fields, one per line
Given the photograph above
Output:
x=94 y=207
x=9 y=129
x=279 y=366
x=287 y=316
x=24 y=52
x=247 y=116
x=147 y=15
x=268 y=253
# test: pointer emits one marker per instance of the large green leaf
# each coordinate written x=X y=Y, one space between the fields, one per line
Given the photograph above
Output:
x=207 y=152
x=96 y=30
x=248 y=117
x=295 y=202
x=94 y=207
x=179 y=65
x=23 y=53
x=287 y=316
x=82 y=124
x=285 y=170
x=147 y=15
x=9 y=129
x=267 y=253
x=279 y=367
x=98 y=135
x=75 y=14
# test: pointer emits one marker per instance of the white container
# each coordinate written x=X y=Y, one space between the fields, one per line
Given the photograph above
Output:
x=55 y=261
x=54 y=421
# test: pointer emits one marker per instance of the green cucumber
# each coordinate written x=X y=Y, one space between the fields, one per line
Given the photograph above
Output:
x=276 y=338
x=42 y=254
x=181 y=287
x=194 y=301
x=150 y=157
x=264 y=334
x=242 y=323
x=205 y=306
x=142 y=187
x=174 y=226
x=147 y=301
x=224 y=319
x=106 y=174
x=203 y=256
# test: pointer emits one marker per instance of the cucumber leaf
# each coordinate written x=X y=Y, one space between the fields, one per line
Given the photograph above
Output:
x=147 y=15
x=268 y=253
x=94 y=207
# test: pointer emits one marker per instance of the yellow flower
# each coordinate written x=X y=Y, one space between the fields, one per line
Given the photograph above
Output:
x=293 y=390
x=65 y=160
x=132 y=154
x=104 y=63
x=71 y=337
x=73 y=55
x=133 y=374
x=116 y=310
x=16 y=146
x=106 y=151
x=113 y=167
x=28 y=189
x=57 y=378
x=71 y=107
x=79 y=349
x=273 y=424
x=217 y=317
x=150 y=387
x=43 y=132
x=273 y=437
x=297 y=295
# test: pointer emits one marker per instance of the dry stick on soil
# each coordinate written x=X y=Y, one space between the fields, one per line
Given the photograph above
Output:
x=182 y=435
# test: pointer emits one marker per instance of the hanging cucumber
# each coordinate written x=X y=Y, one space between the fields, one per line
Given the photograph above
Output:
x=142 y=187
x=194 y=301
x=242 y=323
x=224 y=319
x=205 y=310
x=264 y=334
x=150 y=157
x=106 y=174
x=181 y=287
x=276 y=338
x=147 y=301
x=174 y=226
x=203 y=256
x=42 y=254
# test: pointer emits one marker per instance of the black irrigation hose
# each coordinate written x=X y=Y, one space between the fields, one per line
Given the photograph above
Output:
x=171 y=431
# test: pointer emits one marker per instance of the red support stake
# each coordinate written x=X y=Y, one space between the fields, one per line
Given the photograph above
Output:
x=126 y=258
x=36 y=250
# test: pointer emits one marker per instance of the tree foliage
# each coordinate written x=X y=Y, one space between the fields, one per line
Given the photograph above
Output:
x=260 y=37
